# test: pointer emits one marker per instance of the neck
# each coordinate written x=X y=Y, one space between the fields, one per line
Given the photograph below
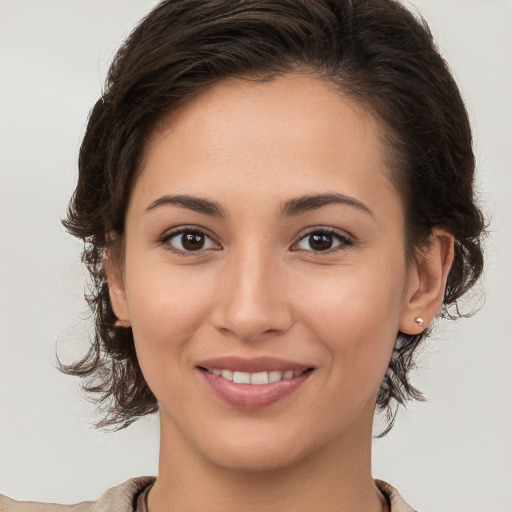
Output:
x=336 y=477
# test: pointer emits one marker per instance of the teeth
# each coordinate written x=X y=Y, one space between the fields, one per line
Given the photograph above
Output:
x=255 y=378
x=227 y=374
x=242 y=377
x=259 y=378
x=275 y=376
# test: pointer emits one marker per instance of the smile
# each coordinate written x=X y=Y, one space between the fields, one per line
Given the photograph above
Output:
x=258 y=378
x=253 y=383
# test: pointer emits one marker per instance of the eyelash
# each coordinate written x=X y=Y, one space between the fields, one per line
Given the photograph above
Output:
x=165 y=239
x=343 y=238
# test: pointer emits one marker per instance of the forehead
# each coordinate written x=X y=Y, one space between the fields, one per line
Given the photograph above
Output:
x=293 y=135
x=285 y=102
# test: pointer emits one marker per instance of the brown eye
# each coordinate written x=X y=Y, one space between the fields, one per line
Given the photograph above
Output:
x=191 y=241
x=322 y=241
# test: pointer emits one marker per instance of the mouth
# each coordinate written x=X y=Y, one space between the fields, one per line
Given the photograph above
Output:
x=254 y=383
x=256 y=378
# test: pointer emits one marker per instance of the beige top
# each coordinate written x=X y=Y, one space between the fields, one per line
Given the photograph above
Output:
x=130 y=497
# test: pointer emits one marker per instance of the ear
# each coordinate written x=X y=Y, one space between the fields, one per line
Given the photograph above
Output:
x=116 y=289
x=427 y=282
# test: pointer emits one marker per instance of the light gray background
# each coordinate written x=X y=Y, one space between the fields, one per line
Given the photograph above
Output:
x=453 y=453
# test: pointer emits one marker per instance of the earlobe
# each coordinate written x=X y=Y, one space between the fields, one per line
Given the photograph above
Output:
x=116 y=290
x=427 y=283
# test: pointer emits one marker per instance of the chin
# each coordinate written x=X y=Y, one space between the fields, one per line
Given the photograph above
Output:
x=255 y=461
x=266 y=452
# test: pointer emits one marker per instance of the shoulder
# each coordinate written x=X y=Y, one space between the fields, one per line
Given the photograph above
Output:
x=120 y=498
x=396 y=502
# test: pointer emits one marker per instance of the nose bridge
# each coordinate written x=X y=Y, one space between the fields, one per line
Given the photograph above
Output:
x=252 y=299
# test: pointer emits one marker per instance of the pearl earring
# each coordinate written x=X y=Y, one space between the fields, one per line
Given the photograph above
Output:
x=419 y=320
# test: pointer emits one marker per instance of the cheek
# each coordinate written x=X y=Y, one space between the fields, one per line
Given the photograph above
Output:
x=356 y=316
x=166 y=309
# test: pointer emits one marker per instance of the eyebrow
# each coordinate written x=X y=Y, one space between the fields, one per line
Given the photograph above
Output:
x=196 y=204
x=290 y=208
x=313 y=202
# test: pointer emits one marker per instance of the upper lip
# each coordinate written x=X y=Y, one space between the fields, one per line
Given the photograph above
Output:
x=252 y=365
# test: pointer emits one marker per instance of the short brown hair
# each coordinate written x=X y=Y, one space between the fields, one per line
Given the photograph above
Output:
x=374 y=50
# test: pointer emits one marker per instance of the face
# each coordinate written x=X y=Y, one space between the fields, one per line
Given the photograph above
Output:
x=265 y=276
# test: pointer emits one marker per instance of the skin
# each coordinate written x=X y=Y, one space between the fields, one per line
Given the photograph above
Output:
x=259 y=287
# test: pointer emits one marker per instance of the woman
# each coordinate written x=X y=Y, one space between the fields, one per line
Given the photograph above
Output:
x=277 y=201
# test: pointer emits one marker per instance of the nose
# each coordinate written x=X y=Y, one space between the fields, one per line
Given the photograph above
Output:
x=252 y=300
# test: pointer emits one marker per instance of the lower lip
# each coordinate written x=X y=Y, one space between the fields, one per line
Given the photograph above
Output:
x=252 y=396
